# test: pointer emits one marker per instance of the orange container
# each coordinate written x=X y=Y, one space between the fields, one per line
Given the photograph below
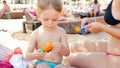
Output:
x=46 y=47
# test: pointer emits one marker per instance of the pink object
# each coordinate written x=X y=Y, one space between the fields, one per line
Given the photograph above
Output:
x=33 y=13
x=7 y=58
x=5 y=65
x=16 y=51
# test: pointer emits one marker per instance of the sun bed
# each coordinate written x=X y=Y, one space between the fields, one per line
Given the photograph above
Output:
x=70 y=25
x=16 y=14
x=30 y=23
x=85 y=14
x=13 y=15
x=6 y=16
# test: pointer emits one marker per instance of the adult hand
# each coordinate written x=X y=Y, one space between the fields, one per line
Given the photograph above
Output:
x=85 y=20
x=95 y=27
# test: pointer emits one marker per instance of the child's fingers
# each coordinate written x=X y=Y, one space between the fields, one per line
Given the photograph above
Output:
x=39 y=55
x=56 y=44
x=56 y=47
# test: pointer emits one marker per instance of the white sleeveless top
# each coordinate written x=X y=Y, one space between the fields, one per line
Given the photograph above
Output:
x=94 y=7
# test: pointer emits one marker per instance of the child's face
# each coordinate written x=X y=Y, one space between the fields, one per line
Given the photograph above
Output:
x=49 y=19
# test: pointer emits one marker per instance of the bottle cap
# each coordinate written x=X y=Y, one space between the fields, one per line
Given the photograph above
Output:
x=41 y=50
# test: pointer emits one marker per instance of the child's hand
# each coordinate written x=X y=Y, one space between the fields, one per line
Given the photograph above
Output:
x=38 y=55
x=56 y=47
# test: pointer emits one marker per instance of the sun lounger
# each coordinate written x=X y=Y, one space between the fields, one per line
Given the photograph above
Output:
x=70 y=25
x=66 y=25
x=16 y=14
x=6 y=15
x=85 y=14
x=29 y=21
x=13 y=15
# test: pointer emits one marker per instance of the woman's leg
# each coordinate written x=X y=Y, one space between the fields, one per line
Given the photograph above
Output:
x=91 y=13
x=88 y=46
x=88 y=54
x=115 y=61
x=88 y=60
x=94 y=13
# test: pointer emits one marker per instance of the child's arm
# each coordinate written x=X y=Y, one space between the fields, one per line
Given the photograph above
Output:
x=30 y=53
x=61 y=46
x=64 y=43
x=31 y=46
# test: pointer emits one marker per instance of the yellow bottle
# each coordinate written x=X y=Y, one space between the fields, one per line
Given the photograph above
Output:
x=77 y=29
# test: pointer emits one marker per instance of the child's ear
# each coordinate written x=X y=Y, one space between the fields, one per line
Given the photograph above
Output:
x=39 y=18
x=38 y=15
x=61 y=13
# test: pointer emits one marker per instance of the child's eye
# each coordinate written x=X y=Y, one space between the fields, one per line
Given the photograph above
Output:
x=45 y=19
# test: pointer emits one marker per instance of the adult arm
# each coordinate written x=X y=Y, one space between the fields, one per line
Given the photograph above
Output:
x=2 y=11
x=99 y=19
x=114 y=31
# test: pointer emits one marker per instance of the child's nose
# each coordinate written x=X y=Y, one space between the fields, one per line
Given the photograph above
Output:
x=50 y=22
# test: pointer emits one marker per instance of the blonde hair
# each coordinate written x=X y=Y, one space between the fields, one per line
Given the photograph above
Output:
x=45 y=4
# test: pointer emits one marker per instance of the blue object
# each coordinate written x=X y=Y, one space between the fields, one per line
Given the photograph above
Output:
x=95 y=19
x=83 y=28
x=51 y=64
